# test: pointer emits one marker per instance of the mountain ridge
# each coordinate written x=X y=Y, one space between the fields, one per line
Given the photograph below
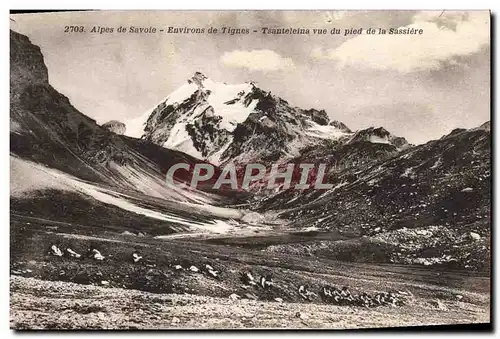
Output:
x=243 y=124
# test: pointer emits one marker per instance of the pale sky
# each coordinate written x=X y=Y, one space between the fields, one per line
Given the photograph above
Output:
x=419 y=87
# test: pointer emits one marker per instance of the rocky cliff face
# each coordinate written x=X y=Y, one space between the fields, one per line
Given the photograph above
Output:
x=26 y=62
x=47 y=129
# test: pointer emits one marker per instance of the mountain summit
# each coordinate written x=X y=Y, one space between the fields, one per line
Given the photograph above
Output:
x=218 y=122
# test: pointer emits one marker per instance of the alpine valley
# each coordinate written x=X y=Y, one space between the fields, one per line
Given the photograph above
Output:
x=406 y=218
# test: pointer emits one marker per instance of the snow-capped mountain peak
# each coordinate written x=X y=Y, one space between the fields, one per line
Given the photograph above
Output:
x=220 y=122
x=182 y=120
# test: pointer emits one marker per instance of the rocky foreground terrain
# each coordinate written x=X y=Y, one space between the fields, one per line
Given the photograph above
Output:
x=60 y=305
x=170 y=286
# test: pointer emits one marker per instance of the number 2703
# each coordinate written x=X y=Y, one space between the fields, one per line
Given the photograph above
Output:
x=71 y=29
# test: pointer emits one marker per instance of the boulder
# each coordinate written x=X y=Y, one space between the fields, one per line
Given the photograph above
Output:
x=438 y=304
x=475 y=236
x=252 y=218
x=115 y=126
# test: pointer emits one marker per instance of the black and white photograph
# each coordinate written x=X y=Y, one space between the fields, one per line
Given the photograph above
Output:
x=250 y=169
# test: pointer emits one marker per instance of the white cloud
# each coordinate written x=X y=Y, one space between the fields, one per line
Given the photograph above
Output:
x=444 y=36
x=257 y=60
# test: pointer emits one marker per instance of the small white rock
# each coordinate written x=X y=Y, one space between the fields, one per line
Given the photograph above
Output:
x=73 y=253
x=234 y=296
x=475 y=236
x=56 y=251
x=136 y=257
x=97 y=255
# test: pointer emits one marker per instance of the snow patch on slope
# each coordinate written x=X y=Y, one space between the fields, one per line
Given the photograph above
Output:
x=135 y=127
x=216 y=157
x=325 y=132
x=181 y=94
x=26 y=177
x=50 y=178
x=180 y=140
x=378 y=140
x=221 y=94
x=152 y=186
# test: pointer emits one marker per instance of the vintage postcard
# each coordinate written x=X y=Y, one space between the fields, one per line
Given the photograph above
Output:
x=250 y=169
